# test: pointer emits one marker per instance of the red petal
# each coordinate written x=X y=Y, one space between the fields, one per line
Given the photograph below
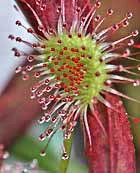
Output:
x=49 y=16
x=115 y=153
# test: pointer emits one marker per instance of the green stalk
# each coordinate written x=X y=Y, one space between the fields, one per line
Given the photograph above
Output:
x=64 y=163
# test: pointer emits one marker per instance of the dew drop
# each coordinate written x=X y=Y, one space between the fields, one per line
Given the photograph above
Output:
x=30 y=30
x=98 y=4
x=108 y=82
x=33 y=96
x=49 y=132
x=18 y=39
x=126 y=53
x=130 y=42
x=43 y=153
x=47 y=81
x=57 y=86
x=41 y=120
x=43 y=7
x=129 y=15
x=18 y=23
x=135 y=33
x=62 y=112
x=41 y=100
x=11 y=37
x=37 y=74
x=97 y=18
x=51 y=97
x=65 y=156
x=136 y=83
x=63 y=127
x=42 y=137
x=54 y=118
x=17 y=54
x=40 y=28
x=25 y=77
x=30 y=58
x=34 y=45
x=44 y=65
x=29 y=68
x=14 y=49
x=39 y=93
x=33 y=89
x=58 y=9
x=48 y=89
x=110 y=12
x=44 y=106
x=115 y=27
x=67 y=136
x=125 y=23
x=78 y=10
x=18 y=69
x=64 y=25
x=47 y=117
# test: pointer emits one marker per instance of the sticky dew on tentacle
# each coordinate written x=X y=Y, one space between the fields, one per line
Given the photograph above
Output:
x=74 y=68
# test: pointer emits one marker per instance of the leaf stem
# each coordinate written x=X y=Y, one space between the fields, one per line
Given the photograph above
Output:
x=64 y=163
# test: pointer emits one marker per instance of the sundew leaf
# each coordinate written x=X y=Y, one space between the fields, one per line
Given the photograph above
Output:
x=111 y=153
x=64 y=163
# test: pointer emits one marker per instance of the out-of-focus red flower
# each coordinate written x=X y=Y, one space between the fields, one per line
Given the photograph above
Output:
x=108 y=139
x=17 y=111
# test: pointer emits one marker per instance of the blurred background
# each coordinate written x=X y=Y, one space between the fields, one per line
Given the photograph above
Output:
x=18 y=115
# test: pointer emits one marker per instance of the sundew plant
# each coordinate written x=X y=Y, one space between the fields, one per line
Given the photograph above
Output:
x=76 y=65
